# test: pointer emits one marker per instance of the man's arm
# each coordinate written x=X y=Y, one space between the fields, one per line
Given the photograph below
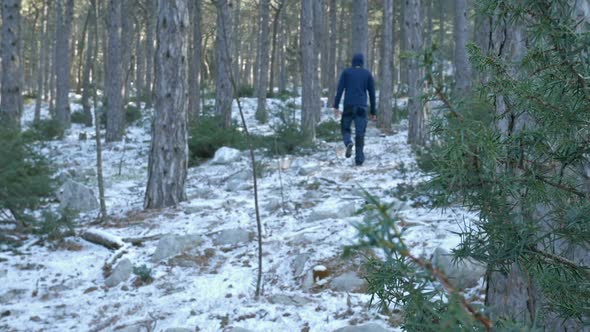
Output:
x=339 y=91
x=371 y=89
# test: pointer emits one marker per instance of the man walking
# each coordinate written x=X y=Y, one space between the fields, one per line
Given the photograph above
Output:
x=356 y=81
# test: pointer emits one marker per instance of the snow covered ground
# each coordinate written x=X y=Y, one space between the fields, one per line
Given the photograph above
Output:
x=308 y=206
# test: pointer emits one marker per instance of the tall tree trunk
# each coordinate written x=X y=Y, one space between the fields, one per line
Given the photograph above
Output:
x=308 y=59
x=63 y=61
x=282 y=50
x=80 y=69
x=236 y=43
x=11 y=97
x=168 y=161
x=318 y=31
x=385 y=115
x=441 y=39
x=331 y=67
x=261 y=113
x=224 y=93
x=404 y=65
x=126 y=49
x=413 y=28
x=42 y=63
x=360 y=27
x=462 y=66
x=149 y=50
x=194 y=100
x=274 y=54
x=90 y=58
x=114 y=85
x=139 y=62
x=428 y=39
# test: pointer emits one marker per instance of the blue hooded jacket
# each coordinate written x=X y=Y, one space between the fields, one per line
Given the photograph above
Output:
x=357 y=81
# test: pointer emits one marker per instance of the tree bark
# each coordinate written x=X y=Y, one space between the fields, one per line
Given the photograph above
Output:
x=90 y=57
x=308 y=59
x=462 y=66
x=149 y=51
x=63 y=61
x=139 y=62
x=261 y=113
x=11 y=97
x=194 y=100
x=224 y=93
x=274 y=54
x=114 y=85
x=360 y=27
x=42 y=63
x=385 y=114
x=168 y=161
x=236 y=42
x=413 y=28
x=331 y=67
x=126 y=49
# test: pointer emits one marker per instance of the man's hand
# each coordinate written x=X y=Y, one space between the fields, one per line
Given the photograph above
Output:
x=372 y=117
x=336 y=113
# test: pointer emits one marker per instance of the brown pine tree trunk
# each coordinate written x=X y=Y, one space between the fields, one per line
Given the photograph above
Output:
x=261 y=113
x=309 y=70
x=413 y=29
x=11 y=91
x=224 y=93
x=65 y=10
x=114 y=85
x=385 y=115
x=168 y=160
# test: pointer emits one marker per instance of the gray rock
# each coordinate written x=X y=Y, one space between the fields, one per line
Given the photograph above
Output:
x=225 y=156
x=11 y=295
x=230 y=237
x=309 y=169
x=273 y=205
x=463 y=274
x=298 y=264
x=134 y=328
x=347 y=282
x=178 y=329
x=171 y=245
x=240 y=181
x=371 y=327
x=3 y=273
x=77 y=197
x=240 y=329
x=121 y=273
x=333 y=209
x=293 y=300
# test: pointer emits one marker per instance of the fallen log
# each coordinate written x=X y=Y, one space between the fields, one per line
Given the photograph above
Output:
x=103 y=238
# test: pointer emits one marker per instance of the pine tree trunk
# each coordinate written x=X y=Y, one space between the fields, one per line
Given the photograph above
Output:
x=261 y=113
x=236 y=43
x=168 y=161
x=282 y=52
x=81 y=44
x=385 y=115
x=274 y=54
x=318 y=30
x=90 y=57
x=151 y=8
x=441 y=38
x=404 y=49
x=194 y=100
x=224 y=93
x=360 y=27
x=139 y=63
x=126 y=49
x=11 y=97
x=63 y=61
x=413 y=27
x=114 y=85
x=331 y=61
x=309 y=103
x=42 y=64
x=462 y=66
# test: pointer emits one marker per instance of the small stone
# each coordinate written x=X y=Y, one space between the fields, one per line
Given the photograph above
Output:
x=293 y=300
x=77 y=197
x=171 y=245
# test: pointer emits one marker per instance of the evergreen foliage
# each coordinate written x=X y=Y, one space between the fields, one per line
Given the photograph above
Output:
x=25 y=176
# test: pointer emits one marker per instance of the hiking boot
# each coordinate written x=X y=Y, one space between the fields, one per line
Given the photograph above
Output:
x=349 y=150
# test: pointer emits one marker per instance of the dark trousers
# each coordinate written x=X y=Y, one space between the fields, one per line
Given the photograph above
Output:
x=358 y=115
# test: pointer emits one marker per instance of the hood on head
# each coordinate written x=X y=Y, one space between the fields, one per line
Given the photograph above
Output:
x=358 y=60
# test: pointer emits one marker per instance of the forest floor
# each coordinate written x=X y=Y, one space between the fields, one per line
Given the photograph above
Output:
x=308 y=208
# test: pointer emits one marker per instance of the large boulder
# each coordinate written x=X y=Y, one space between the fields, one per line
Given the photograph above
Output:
x=77 y=197
x=226 y=155
x=333 y=209
x=171 y=245
x=233 y=236
x=371 y=327
x=348 y=282
x=462 y=274
x=121 y=273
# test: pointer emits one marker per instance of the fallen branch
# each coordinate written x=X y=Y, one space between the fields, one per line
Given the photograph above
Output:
x=103 y=238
